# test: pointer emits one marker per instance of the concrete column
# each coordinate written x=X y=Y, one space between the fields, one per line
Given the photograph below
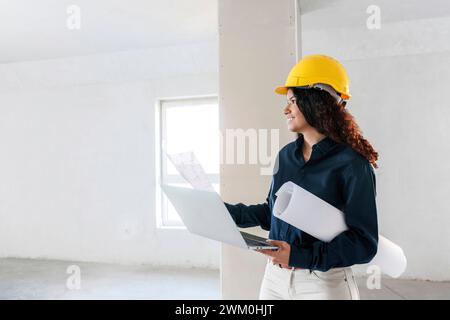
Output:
x=258 y=40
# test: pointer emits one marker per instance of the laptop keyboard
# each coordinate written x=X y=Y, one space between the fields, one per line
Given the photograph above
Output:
x=253 y=240
x=252 y=243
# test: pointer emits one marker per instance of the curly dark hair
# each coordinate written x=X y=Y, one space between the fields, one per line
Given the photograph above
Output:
x=330 y=118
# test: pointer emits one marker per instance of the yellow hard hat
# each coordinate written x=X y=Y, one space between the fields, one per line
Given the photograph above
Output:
x=318 y=69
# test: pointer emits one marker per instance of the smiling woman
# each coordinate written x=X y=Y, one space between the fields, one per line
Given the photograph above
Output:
x=332 y=160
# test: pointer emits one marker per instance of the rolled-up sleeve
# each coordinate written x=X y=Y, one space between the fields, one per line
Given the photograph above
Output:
x=359 y=243
x=251 y=215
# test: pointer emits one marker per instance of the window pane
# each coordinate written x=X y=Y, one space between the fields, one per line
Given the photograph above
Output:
x=194 y=128
x=190 y=126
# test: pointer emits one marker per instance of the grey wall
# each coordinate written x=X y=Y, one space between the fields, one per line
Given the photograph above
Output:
x=77 y=162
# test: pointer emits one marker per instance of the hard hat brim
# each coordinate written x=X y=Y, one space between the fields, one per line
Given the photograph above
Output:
x=283 y=90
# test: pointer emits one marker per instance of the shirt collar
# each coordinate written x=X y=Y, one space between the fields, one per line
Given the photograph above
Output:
x=320 y=148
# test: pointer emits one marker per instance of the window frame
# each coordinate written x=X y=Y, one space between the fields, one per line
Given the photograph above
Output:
x=162 y=201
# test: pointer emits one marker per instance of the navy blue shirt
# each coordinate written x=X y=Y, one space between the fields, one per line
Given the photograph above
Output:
x=336 y=174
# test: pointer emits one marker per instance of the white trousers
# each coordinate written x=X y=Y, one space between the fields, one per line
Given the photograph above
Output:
x=301 y=284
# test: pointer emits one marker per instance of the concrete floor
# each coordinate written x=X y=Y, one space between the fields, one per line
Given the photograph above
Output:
x=42 y=279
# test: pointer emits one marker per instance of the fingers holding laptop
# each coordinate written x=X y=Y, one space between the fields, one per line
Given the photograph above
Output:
x=280 y=256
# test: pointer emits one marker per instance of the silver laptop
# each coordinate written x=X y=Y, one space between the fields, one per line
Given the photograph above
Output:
x=205 y=214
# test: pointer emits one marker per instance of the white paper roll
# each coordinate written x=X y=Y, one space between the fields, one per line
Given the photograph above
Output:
x=309 y=213
x=390 y=258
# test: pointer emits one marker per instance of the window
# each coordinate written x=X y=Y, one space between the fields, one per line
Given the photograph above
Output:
x=186 y=125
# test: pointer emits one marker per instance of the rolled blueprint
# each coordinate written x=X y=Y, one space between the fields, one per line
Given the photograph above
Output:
x=389 y=258
x=309 y=213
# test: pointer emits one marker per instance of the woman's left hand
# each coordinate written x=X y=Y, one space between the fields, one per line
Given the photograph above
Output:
x=280 y=256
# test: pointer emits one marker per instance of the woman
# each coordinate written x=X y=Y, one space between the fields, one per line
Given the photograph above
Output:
x=331 y=159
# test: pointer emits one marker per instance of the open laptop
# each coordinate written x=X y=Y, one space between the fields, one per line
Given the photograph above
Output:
x=205 y=214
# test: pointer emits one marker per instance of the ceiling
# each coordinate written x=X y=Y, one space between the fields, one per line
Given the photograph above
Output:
x=36 y=30
x=340 y=13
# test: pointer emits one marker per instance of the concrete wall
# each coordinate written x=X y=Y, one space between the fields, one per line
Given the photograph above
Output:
x=77 y=161
x=399 y=75
x=256 y=50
